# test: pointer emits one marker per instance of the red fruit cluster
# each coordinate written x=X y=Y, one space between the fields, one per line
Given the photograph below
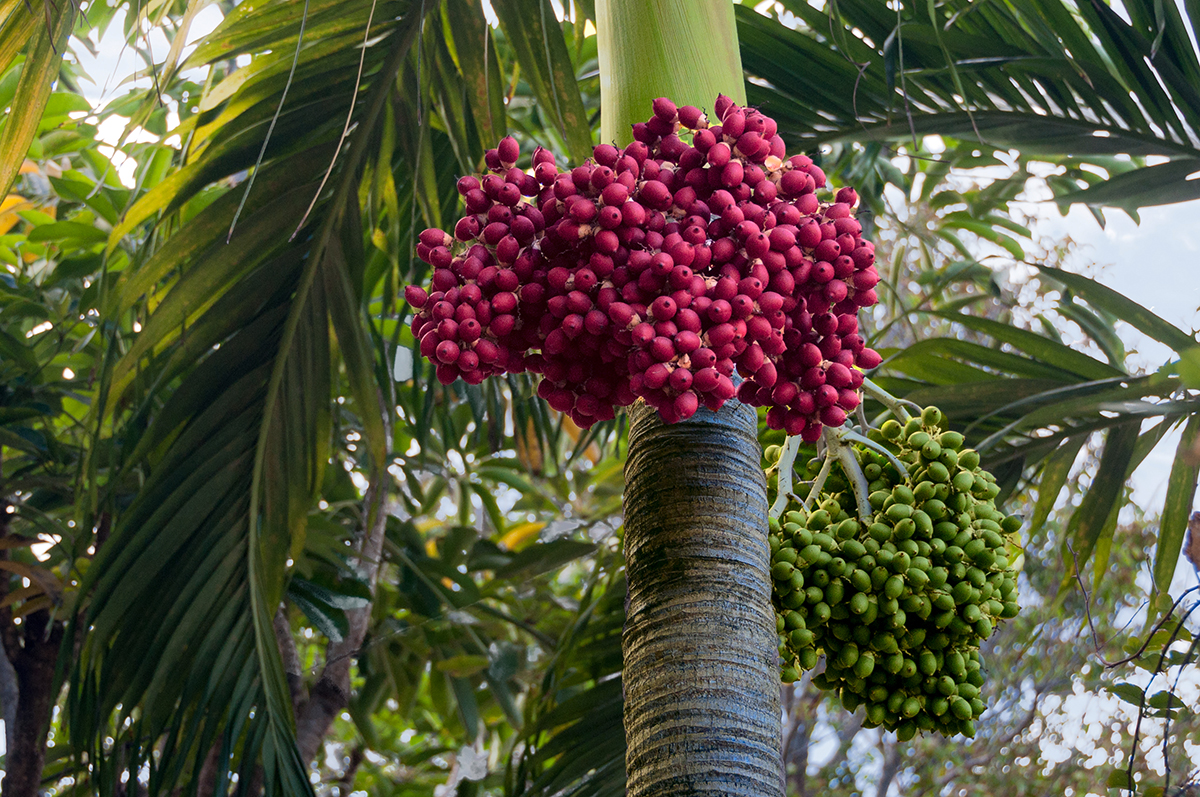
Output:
x=656 y=272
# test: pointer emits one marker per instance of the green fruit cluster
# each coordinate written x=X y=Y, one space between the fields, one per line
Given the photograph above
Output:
x=899 y=604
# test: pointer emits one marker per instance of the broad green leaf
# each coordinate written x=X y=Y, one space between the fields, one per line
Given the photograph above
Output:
x=543 y=557
x=1125 y=309
x=1052 y=478
x=1103 y=495
x=1043 y=349
x=536 y=36
x=38 y=73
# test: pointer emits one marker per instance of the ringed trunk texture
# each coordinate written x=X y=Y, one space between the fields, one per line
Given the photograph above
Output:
x=701 y=679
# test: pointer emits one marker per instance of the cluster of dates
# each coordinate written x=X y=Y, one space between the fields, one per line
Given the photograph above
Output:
x=899 y=603
x=656 y=271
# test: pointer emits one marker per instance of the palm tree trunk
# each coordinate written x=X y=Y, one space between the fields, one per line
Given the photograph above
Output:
x=702 y=711
x=701 y=678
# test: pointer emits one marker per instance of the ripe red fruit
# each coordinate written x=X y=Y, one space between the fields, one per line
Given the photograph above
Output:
x=833 y=416
x=606 y=155
x=415 y=296
x=868 y=359
x=663 y=308
x=447 y=351
x=664 y=109
x=691 y=117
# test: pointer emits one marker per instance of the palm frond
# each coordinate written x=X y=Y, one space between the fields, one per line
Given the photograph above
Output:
x=1052 y=79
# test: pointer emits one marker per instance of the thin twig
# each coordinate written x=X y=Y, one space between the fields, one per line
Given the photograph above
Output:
x=270 y=128
x=1092 y=625
x=345 y=129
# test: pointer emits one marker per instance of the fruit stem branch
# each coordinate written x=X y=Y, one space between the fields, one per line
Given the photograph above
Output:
x=786 y=464
x=896 y=405
x=849 y=434
x=858 y=479
x=822 y=475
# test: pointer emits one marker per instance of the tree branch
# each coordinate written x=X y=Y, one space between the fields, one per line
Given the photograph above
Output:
x=331 y=693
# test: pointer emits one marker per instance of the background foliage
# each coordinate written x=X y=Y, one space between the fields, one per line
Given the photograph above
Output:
x=236 y=492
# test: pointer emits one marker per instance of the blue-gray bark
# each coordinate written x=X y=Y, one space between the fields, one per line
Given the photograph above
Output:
x=702 y=711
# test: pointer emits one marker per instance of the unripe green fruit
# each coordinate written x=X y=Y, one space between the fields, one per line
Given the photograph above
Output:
x=932 y=416
x=945 y=530
x=786 y=555
x=789 y=675
x=963 y=480
x=847 y=529
x=808 y=658
x=793 y=620
x=820 y=613
x=911 y=427
x=952 y=440
x=968 y=459
x=782 y=571
x=801 y=638
x=891 y=429
x=918 y=439
x=811 y=553
x=772 y=453
x=898 y=512
x=834 y=593
x=931 y=450
x=818 y=520
x=983 y=627
x=938 y=472
x=961 y=708
x=1011 y=524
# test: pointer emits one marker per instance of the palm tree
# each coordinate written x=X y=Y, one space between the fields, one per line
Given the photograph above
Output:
x=219 y=408
x=701 y=669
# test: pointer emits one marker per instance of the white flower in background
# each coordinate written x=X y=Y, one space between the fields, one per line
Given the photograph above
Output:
x=473 y=762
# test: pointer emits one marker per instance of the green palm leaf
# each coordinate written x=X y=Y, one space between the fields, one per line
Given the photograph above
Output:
x=235 y=446
x=1050 y=78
